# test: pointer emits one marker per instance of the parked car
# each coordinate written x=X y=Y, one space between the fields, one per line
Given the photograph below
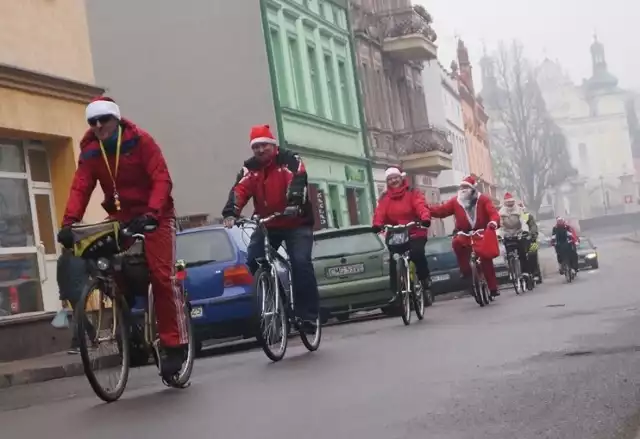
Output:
x=445 y=274
x=218 y=282
x=587 y=254
x=352 y=269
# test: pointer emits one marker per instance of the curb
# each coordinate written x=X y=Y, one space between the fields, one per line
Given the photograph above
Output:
x=631 y=239
x=38 y=375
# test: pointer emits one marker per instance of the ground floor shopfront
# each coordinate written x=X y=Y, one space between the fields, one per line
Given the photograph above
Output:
x=41 y=124
x=339 y=191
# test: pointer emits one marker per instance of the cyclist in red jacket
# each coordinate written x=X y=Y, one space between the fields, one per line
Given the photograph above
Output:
x=133 y=174
x=276 y=179
x=402 y=204
x=472 y=211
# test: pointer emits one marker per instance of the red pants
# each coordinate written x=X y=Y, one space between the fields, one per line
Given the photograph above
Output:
x=462 y=248
x=160 y=250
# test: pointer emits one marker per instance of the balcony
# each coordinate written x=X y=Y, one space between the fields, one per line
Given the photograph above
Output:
x=409 y=35
x=424 y=150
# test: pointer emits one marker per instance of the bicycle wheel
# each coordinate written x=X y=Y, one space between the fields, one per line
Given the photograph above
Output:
x=514 y=274
x=486 y=295
x=567 y=272
x=94 y=310
x=273 y=328
x=311 y=341
x=403 y=290
x=419 y=301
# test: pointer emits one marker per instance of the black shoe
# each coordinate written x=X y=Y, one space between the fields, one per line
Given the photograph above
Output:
x=172 y=360
x=495 y=293
x=426 y=290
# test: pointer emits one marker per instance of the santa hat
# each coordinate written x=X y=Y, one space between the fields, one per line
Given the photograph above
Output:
x=508 y=197
x=469 y=181
x=102 y=106
x=262 y=134
x=392 y=171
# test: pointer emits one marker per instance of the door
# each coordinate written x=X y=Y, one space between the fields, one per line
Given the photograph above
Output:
x=46 y=231
x=44 y=222
x=352 y=205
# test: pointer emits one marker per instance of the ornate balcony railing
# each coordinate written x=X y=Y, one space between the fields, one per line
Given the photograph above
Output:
x=422 y=140
x=410 y=21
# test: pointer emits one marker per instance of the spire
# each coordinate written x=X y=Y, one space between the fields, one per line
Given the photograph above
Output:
x=600 y=76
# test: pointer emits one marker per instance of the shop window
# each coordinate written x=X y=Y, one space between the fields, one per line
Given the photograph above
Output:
x=20 y=291
x=11 y=157
x=16 y=226
x=39 y=165
x=334 y=206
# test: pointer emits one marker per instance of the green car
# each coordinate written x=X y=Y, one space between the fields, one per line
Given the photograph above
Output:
x=352 y=270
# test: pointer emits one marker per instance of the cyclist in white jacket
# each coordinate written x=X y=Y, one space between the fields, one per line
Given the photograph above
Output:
x=515 y=231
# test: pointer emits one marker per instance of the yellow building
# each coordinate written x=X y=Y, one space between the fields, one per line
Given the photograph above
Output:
x=46 y=77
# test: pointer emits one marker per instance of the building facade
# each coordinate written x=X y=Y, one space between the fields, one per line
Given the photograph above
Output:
x=445 y=112
x=45 y=84
x=475 y=124
x=594 y=117
x=318 y=105
x=285 y=63
x=393 y=39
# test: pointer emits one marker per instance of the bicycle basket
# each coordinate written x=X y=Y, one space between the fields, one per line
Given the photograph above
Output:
x=398 y=241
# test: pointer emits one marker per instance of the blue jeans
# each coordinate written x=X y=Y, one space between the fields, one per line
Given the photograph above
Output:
x=299 y=243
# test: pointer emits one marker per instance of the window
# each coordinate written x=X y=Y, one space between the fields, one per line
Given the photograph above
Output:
x=296 y=66
x=205 y=246
x=316 y=87
x=332 y=86
x=326 y=246
x=11 y=157
x=346 y=93
x=281 y=78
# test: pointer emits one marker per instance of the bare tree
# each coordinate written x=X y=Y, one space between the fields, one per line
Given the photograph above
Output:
x=529 y=149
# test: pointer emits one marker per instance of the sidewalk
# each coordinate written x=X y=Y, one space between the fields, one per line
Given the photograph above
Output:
x=39 y=369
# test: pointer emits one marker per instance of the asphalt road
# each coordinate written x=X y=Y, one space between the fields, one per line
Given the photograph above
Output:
x=560 y=362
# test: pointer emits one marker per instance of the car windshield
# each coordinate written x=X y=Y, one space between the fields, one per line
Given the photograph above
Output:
x=585 y=244
x=204 y=246
x=438 y=246
x=342 y=244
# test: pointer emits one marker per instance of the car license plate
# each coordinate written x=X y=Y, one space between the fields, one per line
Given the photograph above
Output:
x=502 y=274
x=345 y=270
x=196 y=312
x=440 y=278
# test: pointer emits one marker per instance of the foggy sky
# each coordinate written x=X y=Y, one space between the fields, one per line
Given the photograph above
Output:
x=557 y=29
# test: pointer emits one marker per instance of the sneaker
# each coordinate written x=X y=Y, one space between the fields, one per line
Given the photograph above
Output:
x=172 y=360
x=74 y=351
x=495 y=293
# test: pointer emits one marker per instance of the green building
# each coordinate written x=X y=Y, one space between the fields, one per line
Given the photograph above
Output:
x=317 y=102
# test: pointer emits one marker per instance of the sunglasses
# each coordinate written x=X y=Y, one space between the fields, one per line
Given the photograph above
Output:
x=102 y=119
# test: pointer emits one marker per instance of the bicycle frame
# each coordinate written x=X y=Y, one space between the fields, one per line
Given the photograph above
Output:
x=404 y=256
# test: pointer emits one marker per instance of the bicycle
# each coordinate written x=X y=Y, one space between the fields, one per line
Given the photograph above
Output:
x=569 y=272
x=101 y=245
x=270 y=292
x=521 y=281
x=398 y=242
x=479 y=286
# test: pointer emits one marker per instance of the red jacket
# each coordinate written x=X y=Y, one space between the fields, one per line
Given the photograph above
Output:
x=477 y=217
x=143 y=182
x=401 y=206
x=273 y=187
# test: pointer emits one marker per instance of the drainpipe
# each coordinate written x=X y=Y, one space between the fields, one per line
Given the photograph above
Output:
x=363 y=122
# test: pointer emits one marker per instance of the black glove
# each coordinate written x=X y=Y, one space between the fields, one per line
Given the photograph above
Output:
x=65 y=237
x=142 y=224
x=376 y=229
x=425 y=223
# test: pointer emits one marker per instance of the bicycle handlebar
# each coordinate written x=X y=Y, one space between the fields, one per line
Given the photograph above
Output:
x=403 y=226
x=472 y=233
x=255 y=219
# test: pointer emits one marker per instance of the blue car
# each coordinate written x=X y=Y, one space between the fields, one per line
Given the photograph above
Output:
x=218 y=282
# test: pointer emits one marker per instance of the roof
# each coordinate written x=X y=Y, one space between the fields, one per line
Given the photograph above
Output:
x=341 y=230
x=200 y=229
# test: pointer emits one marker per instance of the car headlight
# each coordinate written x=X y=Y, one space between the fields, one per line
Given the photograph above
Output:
x=591 y=256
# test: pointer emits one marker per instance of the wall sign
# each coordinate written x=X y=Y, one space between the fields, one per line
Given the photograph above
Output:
x=354 y=174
